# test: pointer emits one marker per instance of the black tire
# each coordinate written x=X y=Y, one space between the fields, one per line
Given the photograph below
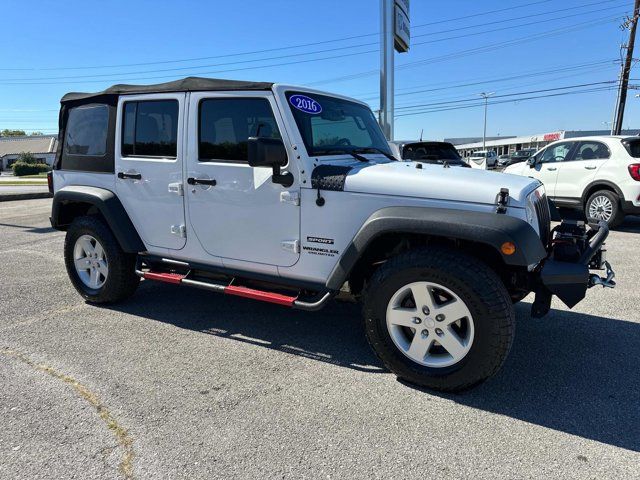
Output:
x=617 y=215
x=121 y=281
x=476 y=284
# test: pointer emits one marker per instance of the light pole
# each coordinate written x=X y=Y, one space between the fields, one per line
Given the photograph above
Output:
x=486 y=96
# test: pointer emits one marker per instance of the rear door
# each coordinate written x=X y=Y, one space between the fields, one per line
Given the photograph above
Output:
x=581 y=168
x=148 y=151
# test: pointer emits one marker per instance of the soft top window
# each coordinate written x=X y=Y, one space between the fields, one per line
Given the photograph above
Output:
x=150 y=129
x=86 y=130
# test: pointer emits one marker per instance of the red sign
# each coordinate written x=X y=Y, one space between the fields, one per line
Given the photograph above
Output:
x=552 y=137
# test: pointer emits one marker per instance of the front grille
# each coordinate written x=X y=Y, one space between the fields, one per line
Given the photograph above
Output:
x=544 y=217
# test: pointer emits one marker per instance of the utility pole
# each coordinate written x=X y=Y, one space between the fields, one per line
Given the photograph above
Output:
x=624 y=81
x=486 y=102
x=386 y=67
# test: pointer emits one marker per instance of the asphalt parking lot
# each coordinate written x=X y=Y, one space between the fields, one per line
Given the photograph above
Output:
x=182 y=383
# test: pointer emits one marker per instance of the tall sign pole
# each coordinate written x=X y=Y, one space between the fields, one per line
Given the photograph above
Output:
x=394 y=34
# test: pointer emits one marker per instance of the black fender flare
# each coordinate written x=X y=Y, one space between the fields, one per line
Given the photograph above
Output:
x=482 y=227
x=109 y=206
x=604 y=183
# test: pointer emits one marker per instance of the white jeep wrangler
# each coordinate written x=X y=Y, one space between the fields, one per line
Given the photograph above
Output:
x=288 y=195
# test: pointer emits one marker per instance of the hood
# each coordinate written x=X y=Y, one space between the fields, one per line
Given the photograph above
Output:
x=436 y=182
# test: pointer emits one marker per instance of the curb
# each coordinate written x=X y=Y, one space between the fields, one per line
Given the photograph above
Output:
x=8 y=197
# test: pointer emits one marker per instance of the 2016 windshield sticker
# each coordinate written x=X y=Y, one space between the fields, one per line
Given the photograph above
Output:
x=305 y=104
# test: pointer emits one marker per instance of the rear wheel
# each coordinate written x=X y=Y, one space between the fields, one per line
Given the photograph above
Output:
x=98 y=268
x=605 y=205
x=439 y=319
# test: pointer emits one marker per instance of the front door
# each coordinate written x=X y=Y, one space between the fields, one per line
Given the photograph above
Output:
x=235 y=210
x=148 y=154
x=580 y=169
x=548 y=164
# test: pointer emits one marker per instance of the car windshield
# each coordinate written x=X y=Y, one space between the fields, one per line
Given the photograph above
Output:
x=332 y=126
x=479 y=154
x=523 y=153
x=430 y=152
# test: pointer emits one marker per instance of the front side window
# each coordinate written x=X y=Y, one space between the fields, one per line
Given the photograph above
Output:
x=227 y=123
x=86 y=130
x=150 y=129
x=557 y=153
x=591 y=151
x=331 y=126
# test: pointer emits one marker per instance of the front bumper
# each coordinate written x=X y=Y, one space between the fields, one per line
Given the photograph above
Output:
x=573 y=251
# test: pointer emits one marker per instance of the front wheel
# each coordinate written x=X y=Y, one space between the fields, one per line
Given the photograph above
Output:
x=98 y=268
x=439 y=319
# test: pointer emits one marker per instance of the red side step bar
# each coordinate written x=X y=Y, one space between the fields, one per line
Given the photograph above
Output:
x=269 y=297
x=239 y=291
x=174 y=278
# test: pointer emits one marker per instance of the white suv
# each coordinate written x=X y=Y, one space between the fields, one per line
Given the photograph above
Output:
x=599 y=175
x=289 y=196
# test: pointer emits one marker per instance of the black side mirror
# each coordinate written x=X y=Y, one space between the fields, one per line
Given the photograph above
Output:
x=531 y=161
x=269 y=152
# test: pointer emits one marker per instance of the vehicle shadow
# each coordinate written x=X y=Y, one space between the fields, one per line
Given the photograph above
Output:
x=570 y=372
x=29 y=229
x=631 y=224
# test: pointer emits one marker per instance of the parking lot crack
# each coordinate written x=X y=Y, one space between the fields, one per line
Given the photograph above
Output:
x=123 y=437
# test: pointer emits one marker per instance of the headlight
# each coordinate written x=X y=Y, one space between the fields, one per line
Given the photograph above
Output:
x=530 y=208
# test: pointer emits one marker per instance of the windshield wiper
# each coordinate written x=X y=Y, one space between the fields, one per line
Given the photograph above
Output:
x=357 y=157
x=376 y=150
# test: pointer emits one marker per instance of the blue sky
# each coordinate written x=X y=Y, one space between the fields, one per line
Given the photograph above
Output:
x=50 y=48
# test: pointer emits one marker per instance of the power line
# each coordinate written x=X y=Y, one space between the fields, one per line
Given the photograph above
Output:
x=467 y=52
x=191 y=67
x=254 y=52
x=443 y=109
x=565 y=87
x=534 y=73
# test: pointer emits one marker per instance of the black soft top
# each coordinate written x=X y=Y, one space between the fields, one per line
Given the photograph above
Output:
x=189 y=84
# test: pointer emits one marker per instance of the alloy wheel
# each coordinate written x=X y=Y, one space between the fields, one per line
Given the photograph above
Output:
x=601 y=208
x=90 y=262
x=430 y=324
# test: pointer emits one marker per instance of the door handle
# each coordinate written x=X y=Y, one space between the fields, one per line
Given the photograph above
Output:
x=552 y=169
x=590 y=167
x=133 y=176
x=201 y=181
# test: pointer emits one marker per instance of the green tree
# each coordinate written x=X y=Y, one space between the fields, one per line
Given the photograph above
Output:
x=12 y=133
x=36 y=133
x=26 y=157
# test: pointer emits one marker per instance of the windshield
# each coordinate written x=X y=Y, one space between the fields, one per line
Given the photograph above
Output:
x=479 y=154
x=523 y=153
x=430 y=151
x=331 y=126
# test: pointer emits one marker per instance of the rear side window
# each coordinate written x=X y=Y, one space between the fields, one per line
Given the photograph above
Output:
x=227 y=123
x=86 y=130
x=633 y=147
x=150 y=129
x=591 y=151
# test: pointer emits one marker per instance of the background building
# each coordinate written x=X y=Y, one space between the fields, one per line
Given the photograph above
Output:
x=43 y=147
x=504 y=145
